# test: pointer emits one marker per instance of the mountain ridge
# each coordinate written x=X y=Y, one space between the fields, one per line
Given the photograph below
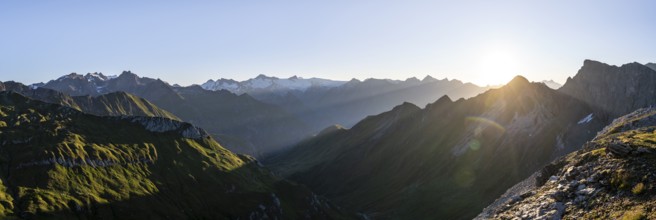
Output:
x=242 y=123
x=454 y=148
x=606 y=86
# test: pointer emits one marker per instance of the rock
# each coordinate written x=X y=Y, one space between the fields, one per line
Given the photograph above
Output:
x=580 y=187
x=557 y=195
x=586 y=191
x=643 y=150
x=570 y=173
x=618 y=149
x=553 y=179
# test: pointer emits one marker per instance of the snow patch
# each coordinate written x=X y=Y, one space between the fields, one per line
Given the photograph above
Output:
x=586 y=119
x=272 y=84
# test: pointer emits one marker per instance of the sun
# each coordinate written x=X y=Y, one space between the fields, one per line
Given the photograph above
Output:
x=497 y=66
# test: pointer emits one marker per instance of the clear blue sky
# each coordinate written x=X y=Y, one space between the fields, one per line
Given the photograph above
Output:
x=189 y=42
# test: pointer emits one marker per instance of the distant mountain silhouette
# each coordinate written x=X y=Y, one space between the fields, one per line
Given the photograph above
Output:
x=322 y=102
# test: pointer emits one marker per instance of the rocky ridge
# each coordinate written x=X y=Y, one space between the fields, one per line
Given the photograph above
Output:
x=161 y=125
x=607 y=87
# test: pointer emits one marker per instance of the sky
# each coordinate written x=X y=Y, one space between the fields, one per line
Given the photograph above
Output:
x=189 y=42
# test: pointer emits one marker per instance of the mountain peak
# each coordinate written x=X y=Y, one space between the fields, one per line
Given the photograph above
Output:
x=406 y=106
x=262 y=76
x=428 y=78
x=604 y=85
x=412 y=79
x=127 y=73
x=588 y=62
x=443 y=99
x=519 y=81
x=72 y=75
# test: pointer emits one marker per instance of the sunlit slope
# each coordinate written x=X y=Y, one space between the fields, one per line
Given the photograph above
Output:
x=611 y=177
x=446 y=161
x=59 y=163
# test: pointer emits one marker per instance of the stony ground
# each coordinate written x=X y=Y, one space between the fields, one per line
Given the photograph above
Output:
x=613 y=177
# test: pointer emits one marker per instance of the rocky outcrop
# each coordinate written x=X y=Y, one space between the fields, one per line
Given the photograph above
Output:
x=618 y=90
x=610 y=178
x=162 y=125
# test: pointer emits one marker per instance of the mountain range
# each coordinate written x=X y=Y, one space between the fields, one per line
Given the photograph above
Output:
x=321 y=102
x=94 y=146
x=111 y=104
x=453 y=158
x=243 y=124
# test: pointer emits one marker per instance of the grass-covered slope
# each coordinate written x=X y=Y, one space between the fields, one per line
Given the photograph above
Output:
x=612 y=177
x=59 y=163
x=447 y=161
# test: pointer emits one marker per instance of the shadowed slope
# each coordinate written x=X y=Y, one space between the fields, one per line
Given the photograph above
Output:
x=448 y=160
x=617 y=90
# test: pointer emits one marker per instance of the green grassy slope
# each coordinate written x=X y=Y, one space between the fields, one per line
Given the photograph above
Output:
x=59 y=163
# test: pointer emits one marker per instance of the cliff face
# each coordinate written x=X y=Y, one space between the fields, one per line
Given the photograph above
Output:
x=612 y=177
x=618 y=90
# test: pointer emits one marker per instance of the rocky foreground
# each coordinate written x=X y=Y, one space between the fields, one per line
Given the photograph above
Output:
x=612 y=177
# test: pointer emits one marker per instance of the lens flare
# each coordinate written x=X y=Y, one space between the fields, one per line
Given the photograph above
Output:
x=485 y=121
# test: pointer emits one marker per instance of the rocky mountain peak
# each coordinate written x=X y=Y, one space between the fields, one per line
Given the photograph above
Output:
x=96 y=75
x=71 y=76
x=128 y=76
x=428 y=78
x=607 y=87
